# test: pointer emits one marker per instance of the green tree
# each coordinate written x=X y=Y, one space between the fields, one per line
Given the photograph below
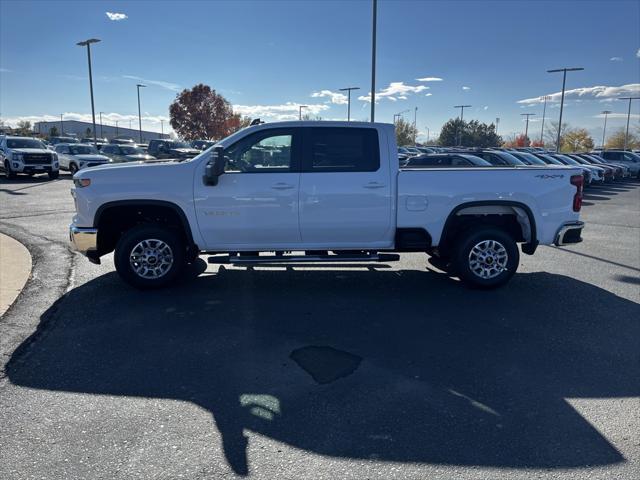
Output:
x=469 y=134
x=616 y=140
x=577 y=140
x=405 y=133
x=24 y=128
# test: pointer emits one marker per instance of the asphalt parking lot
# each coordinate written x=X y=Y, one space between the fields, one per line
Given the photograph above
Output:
x=392 y=371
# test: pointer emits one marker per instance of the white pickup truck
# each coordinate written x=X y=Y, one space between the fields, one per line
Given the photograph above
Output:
x=332 y=191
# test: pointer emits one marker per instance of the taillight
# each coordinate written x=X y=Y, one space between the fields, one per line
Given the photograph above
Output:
x=578 y=181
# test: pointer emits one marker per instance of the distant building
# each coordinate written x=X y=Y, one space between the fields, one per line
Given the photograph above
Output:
x=78 y=129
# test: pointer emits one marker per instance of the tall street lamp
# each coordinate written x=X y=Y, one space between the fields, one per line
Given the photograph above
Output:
x=604 y=130
x=101 y=135
x=564 y=81
x=87 y=43
x=162 y=128
x=415 y=127
x=61 y=125
x=300 y=107
x=461 y=107
x=117 y=128
x=497 y=123
x=526 y=130
x=373 y=61
x=544 y=112
x=626 y=135
x=138 y=86
x=348 y=90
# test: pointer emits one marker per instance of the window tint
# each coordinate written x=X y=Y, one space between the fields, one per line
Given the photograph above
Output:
x=268 y=151
x=430 y=161
x=460 y=162
x=341 y=150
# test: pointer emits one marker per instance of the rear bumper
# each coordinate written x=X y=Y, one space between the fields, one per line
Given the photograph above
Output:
x=569 y=233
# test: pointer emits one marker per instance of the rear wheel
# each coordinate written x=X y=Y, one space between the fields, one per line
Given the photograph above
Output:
x=149 y=256
x=73 y=168
x=486 y=258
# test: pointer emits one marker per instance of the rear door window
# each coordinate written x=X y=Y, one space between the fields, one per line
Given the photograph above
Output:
x=328 y=149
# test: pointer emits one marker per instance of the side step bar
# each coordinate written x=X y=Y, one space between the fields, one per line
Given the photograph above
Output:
x=266 y=259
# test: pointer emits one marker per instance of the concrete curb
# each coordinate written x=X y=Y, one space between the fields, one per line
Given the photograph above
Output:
x=15 y=269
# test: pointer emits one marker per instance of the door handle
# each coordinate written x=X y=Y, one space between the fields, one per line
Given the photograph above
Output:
x=374 y=185
x=282 y=186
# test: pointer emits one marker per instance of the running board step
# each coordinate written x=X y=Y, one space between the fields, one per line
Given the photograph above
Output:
x=266 y=259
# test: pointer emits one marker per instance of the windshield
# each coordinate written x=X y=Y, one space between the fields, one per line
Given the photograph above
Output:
x=551 y=160
x=531 y=158
x=475 y=159
x=82 y=149
x=568 y=159
x=131 y=151
x=24 y=143
x=509 y=158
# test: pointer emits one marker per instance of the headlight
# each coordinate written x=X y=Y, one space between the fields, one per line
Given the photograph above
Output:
x=82 y=182
x=17 y=156
x=55 y=157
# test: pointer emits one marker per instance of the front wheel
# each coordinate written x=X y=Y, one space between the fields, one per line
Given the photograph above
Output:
x=149 y=256
x=73 y=168
x=10 y=174
x=486 y=258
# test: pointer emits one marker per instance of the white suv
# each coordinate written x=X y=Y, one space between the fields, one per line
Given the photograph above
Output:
x=27 y=155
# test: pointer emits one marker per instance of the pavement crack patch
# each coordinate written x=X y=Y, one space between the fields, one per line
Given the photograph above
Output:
x=325 y=364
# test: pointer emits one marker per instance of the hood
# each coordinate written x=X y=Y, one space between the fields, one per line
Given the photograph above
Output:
x=140 y=157
x=31 y=150
x=92 y=157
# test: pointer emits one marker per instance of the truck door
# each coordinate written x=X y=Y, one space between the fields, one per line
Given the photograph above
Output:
x=254 y=206
x=345 y=189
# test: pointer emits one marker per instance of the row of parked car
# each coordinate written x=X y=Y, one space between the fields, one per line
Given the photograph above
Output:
x=597 y=166
x=26 y=155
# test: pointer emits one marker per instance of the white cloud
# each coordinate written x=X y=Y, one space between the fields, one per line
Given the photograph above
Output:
x=394 y=91
x=334 y=97
x=174 y=87
x=615 y=59
x=589 y=93
x=149 y=122
x=486 y=107
x=116 y=17
x=286 y=111
x=429 y=79
x=428 y=94
x=4 y=70
x=638 y=53
x=466 y=88
x=633 y=116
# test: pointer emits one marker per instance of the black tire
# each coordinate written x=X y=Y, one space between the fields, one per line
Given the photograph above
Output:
x=54 y=175
x=73 y=168
x=470 y=267
x=10 y=174
x=151 y=233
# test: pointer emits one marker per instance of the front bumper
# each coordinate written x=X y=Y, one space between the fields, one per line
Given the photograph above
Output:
x=84 y=240
x=34 y=169
x=569 y=233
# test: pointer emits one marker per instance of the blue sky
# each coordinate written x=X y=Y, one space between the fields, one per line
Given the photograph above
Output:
x=269 y=57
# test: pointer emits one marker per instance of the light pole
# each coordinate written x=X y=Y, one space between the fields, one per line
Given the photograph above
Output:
x=348 y=90
x=101 y=135
x=61 y=126
x=526 y=130
x=604 y=130
x=626 y=135
x=116 y=128
x=373 y=61
x=87 y=43
x=427 y=135
x=138 y=86
x=461 y=107
x=564 y=81
x=300 y=111
x=162 y=128
x=415 y=130
x=497 y=123
x=544 y=113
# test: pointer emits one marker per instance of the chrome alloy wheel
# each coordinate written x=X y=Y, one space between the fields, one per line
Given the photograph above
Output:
x=151 y=258
x=488 y=259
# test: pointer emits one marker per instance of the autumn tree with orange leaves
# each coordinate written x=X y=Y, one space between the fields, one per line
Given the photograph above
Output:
x=201 y=113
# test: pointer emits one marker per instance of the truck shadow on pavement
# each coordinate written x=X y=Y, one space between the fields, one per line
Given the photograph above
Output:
x=447 y=375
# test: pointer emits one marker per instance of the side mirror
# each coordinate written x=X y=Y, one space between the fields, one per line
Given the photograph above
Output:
x=215 y=167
